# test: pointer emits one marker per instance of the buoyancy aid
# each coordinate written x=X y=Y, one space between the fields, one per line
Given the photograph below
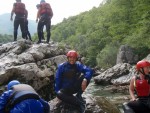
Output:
x=71 y=72
x=45 y=8
x=20 y=92
x=19 y=8
x=142 y=87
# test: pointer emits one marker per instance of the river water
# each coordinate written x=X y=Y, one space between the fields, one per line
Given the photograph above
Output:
x=117 y=98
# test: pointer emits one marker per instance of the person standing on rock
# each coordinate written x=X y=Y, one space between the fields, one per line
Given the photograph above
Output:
x=22 y=98
x=42 y=33
x=141 y=85
x=69 y=81
x=44 y=15
x=19 y=10
x=28 y=35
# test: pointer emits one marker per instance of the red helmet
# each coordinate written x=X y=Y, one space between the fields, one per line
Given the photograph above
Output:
x=72 y=53
x=142 y=64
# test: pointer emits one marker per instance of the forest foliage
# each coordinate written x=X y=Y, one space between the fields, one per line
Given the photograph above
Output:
x=98 y=33
x=5 y=38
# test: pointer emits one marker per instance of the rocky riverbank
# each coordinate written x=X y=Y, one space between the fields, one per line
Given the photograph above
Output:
x=35 y=64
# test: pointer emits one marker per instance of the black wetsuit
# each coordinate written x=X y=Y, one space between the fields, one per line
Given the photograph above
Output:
x=28 y=35
x=66 y=94
x=140 y=106
x=44 y=20
x=19 y=20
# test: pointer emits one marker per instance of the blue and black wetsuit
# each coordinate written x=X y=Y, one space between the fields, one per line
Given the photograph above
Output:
x=69 y=79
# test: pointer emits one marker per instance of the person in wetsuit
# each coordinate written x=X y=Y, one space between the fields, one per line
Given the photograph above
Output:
x=22 y=98
x=44 y=15
x=72 y=77
x=19 y=10
x=42 y=33
x=28 y=35
x=140 y=103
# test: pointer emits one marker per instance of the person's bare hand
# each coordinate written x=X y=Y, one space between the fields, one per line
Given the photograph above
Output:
x=84 y=84
x=133 y=99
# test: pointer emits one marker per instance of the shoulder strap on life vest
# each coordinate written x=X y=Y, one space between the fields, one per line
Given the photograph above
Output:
x=136 y=78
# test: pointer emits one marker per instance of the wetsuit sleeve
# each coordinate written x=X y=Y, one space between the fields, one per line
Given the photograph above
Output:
x=58 y=78
x=46 y=106
x=3 y=100
x=38 y=13
x=88 y=72
x=13 y=11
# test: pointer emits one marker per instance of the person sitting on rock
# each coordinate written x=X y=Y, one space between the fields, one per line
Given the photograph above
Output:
x=22 y=98
x=140 y=84
x=69 y=81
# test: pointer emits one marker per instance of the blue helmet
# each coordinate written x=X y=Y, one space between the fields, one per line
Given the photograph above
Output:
x=12 y=83
x=42 y=1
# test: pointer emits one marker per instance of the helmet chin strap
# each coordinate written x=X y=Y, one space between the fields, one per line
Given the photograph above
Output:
x=142 y=71
x=147 y=76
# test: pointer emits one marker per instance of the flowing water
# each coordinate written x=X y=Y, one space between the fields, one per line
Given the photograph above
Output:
x=98 y=90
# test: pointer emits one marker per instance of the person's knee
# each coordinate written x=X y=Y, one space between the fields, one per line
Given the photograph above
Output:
x=127 y=108
x=40 y=31
x=48 y=30
x=60 y=94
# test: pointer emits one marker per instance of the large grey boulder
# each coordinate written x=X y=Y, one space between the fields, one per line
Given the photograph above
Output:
x=33 y=64
x=118 y=74
x=126 y=55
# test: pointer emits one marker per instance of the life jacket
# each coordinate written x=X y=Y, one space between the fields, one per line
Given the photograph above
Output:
x=19 y=8
x=20 y=92
x=71 y=73
x=45 y=8
x=142 y=87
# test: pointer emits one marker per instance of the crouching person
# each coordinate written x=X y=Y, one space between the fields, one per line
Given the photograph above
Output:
x=22 y=98
x=72 y=78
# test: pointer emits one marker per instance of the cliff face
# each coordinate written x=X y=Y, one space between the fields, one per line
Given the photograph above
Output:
x=33 y=64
